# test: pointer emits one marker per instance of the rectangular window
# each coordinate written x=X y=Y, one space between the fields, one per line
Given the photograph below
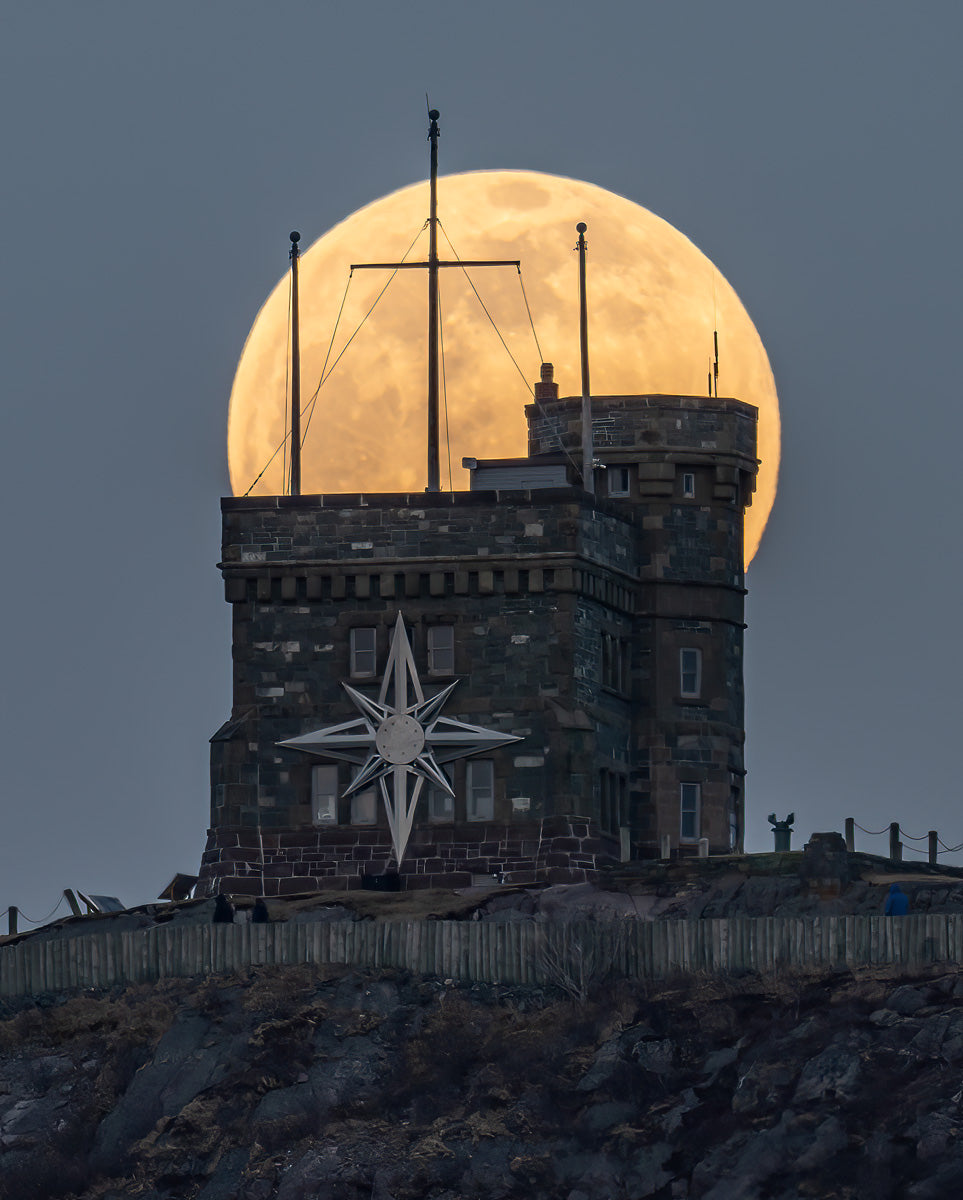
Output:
x=689 y=826
x=480 y=789
x=441 y=806
x=324 y=795
x=690 y=671
x=441 y=649
x=618 y=481
x=614 y=801
x=615 y=662
x=364 y=807
x=688 y=485
x=733 y=822
x=364 y=653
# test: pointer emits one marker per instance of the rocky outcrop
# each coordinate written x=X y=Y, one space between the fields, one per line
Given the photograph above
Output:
x=325 y=1084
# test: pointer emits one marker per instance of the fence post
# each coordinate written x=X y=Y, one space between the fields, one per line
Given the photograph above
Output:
x=703 y=847
x=895 y=847
x=934 y=838
x=851 y=834
x=665 y=847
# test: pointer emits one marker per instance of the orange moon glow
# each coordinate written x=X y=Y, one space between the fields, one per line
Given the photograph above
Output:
x=654 y=300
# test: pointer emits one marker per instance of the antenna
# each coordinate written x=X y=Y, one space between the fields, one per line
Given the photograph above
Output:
x=715 y=363
x=434 y=482
x=588 y=480
x=295 y=489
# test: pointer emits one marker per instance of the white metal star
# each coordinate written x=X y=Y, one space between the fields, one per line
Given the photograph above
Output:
x=407 y=739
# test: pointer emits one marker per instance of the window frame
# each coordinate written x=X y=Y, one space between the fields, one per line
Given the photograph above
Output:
x=478 y=767
x=695 y=692
x=693 y=809
x=369 y=795
x=616 y=667
x=688 y=485
x=329 y=791
x=433 y=651
x=435 y=794
x=613 y=800
x=355 y=651
x=626 y=473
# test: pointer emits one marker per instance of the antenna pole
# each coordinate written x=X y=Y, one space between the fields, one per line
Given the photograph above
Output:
x=588 y=479
x=433 y=446
x=295 y=373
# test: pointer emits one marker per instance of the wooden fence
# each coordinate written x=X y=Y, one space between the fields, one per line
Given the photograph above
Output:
x=511 y=952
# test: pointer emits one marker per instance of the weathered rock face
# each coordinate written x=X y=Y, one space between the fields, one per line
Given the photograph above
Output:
x=306 y=1085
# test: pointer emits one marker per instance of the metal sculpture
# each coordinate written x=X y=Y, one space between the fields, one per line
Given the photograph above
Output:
x=405 y=739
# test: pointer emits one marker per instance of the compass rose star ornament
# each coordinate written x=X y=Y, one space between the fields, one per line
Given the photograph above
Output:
x=405 y=740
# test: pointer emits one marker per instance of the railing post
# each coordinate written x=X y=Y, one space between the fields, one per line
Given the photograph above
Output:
x=895 y=848
x=934 y=852
x=851 y=834
x=12 y=914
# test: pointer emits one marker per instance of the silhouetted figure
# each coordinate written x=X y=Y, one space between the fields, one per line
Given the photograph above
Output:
x=897 y=902
x=223 y=910
x=259 y=913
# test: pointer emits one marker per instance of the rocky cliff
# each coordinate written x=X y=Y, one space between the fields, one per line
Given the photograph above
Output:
x=331 y=1084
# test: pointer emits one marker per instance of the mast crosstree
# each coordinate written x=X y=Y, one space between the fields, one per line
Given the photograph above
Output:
x=433 y=265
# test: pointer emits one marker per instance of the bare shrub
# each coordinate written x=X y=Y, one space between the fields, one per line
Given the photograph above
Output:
x=578 y=957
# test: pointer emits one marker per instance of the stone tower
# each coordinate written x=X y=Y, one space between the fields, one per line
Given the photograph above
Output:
x=603 y=631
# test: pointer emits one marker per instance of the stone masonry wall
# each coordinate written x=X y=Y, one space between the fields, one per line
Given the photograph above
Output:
x=555 y=850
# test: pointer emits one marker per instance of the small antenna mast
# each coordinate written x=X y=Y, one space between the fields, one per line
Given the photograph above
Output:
x=588 y=479
x=713 y=376
x=295 y=489
x=434 y=480
x=715 y=362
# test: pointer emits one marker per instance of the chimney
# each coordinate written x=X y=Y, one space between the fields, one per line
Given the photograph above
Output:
x=546 y=388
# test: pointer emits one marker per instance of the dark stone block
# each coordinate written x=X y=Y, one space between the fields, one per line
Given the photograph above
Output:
x=416 y=883
x=373 y=837
x=341 y=837
x=240 y=886
x=300 y=883
x=451 y=879
x=300 y=839
x=562 y=843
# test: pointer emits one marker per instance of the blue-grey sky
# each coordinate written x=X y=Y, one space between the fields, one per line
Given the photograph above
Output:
x=154 y=159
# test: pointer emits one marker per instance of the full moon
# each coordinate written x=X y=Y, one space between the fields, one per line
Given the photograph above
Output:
x=654 y=301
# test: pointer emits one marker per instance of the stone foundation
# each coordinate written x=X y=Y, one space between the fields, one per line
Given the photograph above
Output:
x=244 y=861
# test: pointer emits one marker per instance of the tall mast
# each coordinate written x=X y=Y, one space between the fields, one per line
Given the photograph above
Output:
x=433 y=265
x=295 y=373
x=433 y=445
x=588 y=480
